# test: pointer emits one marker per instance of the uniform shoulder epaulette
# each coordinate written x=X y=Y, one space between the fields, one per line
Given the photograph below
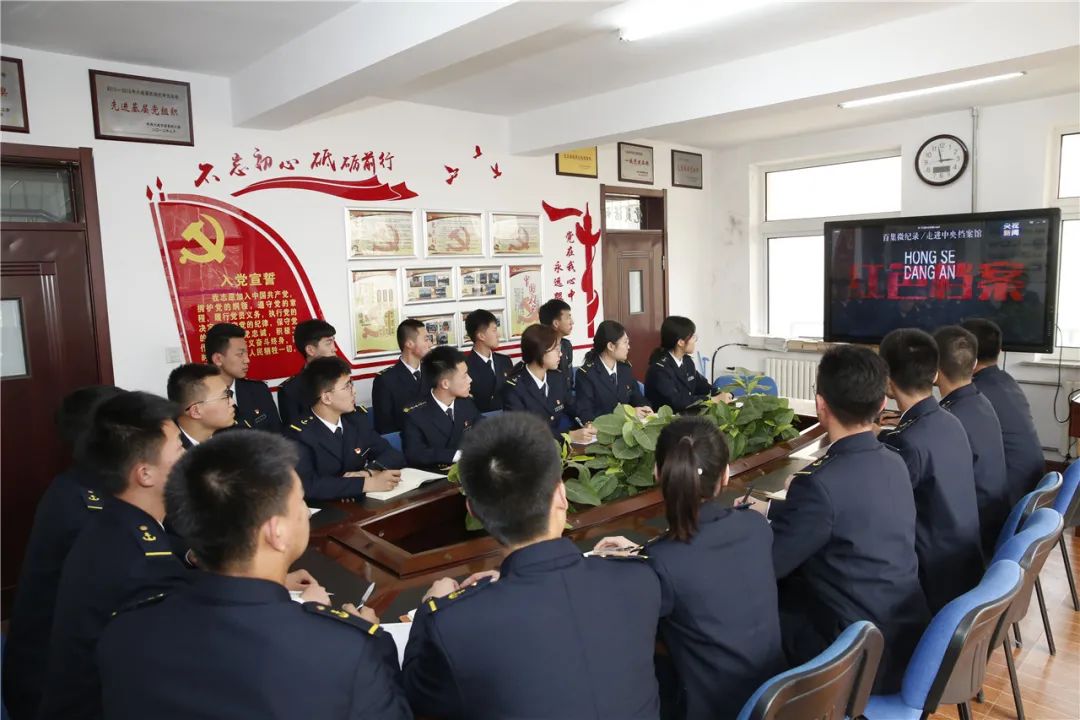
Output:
x=341 y=616
x=903 y=426
x=153 y=540
x=303 y=423
x=434 y=604
x=587 y=364
x=93 y=499
x=140 y=603
x=287 y=380
x=415 y=406
x=626 y=363
x=361 y=409
x=631 y=556
x=386 y=369
x=814 y=466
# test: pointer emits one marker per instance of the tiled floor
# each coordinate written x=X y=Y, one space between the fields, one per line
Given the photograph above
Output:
x=1049 y=684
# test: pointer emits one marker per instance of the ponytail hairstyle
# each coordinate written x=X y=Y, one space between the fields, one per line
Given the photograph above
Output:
x=608 y=331
x=672 y=330
x=691 y=456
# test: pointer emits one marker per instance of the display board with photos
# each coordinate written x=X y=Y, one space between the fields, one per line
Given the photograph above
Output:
x=383 y=290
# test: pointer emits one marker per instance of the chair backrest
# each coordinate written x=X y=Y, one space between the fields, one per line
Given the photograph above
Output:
x=834 y=684
x=1068 y=499
x=492 y=413
x=1044 y=494
x=394 y=439
x=949 y=663
x=641 y=387
x=1029 y=548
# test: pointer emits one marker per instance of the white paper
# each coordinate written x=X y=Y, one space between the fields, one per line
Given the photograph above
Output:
x=313 y=510
x=411 y=478
x=400 y=632
x=780 y=494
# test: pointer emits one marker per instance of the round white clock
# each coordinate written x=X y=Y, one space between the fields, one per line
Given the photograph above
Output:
x=941 y=160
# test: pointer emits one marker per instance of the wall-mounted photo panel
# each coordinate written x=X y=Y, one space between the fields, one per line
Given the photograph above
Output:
x=380 y=233
x=515 y=234
x=453 y=234
x=424 y=285
x=479 y=281
x=500 y=317
x=441 y=329
x=375 y=310
x=525 y=297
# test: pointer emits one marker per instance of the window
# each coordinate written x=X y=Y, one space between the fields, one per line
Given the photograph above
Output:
x=1069 y=166
x=38 y=194
x=852 y=188
x=1063 y=191
x=1068 y=306
x=797 y=202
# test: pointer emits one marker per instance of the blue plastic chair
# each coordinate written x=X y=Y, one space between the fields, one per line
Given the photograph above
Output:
x=1044 y=495
x=949 y=663
x=834 y=684
x=766 y=386
x=1068 y=504
x=394 y=439
x=641 y=387
x=1029 y=548
x=492 y=413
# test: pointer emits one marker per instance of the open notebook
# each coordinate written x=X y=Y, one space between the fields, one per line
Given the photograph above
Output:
x=411 y=478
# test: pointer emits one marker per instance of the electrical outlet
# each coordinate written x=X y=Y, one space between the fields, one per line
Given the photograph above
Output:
x=173 y=355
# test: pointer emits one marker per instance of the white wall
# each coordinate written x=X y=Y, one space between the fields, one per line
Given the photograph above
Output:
x=422 y=139
x=1012 y=151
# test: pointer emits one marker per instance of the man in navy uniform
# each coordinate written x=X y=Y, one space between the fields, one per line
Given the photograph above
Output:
x=487 y=368
x=1024 y=462
x=206 y=403
x=340 y=457
x=400 y=385
x=558 y=635
x=122 y=553
x=434 y=427
x=844 y=540
x=956 y=359
x=71 y=500
x=934 y=446
x=227 y=350
x=313 y=339
x=233 y=644
x=556 y=314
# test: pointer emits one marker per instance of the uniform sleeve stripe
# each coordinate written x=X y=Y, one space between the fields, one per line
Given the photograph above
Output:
x=295 y=428
x=373 y=629
x=431 y=604
x=158 y=554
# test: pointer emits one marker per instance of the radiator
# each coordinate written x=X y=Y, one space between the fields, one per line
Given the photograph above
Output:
x=794 y=378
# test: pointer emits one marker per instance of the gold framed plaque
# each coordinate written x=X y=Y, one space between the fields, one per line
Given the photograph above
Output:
x=580 y=162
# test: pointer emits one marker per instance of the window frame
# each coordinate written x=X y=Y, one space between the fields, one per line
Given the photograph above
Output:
x=1070 y=211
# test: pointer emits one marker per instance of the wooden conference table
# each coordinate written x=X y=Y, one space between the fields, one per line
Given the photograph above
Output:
x=405 y=544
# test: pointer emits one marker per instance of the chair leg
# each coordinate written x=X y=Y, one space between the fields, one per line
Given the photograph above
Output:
x=1069 y=572
x=1045 y=617
x=1016 y=634
x=981 y=697
x=1013 y=681
x=965 y=711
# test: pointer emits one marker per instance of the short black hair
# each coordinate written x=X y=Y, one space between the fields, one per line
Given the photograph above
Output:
x=987 y=335
x=551 y=310
x=407 y=330
x=851 y=381
x=957 y=349
x=477 y=321
x=76 y=411
x=310 y=332
x=912 y=357
x=321 y=374
x=440 y=362
x=218 y=337
x=537 y=340
x=509 y=468
x=222 y=491
x=126 y=430
x=186 y=382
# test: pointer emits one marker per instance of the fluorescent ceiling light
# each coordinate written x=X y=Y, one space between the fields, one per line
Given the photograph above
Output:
x=928 y=91
x=655 y=17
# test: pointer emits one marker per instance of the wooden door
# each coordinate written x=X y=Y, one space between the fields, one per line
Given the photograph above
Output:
x=634 y=260
x=55 y=330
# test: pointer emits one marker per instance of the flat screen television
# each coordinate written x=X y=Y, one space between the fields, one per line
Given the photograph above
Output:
x=936 y=270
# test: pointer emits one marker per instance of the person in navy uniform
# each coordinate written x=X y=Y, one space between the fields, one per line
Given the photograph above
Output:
x=723 y=636
x=340 y=457
x=844 y=540
x=122 y=553
x=487 y=368
x=536 y=386
x=226 y=349
x=402 y=384
x=71 y=500
x=313 y=339
x=204 y=398
x=558 y=635
x=1024 y=462
x=233 y=644
x=956 y=359
x=606 y=379
x=934 y=446
x=556 y=314
x=434 y=427
x=672 y=379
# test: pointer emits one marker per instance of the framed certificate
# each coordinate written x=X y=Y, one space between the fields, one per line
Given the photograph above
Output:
x=481 y=282
x=515 y=234
x=453 y=234
x=686 y=169
x=424 y=285
x=577 y=163
x=524 y=297
x=636 y=164
x=134 y=108
x=380 y=233
x=13 y=115
x=374 y=296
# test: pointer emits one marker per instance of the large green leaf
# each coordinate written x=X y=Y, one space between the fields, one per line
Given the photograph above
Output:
x=645 y=439
x=642 y=476
x=610 y=424
x=665 y=413
x=598 y=463
x=604 y=485
x=748 y=413
x=583 y=473
x=471 y=523
x=628 y=434
x=581 y=494
x=624 y=452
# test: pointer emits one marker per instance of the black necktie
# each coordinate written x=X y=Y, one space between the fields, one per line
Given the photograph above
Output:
x=615 y=379
x=338 y=432
x=544 y=388
x=491 y=364
x=416 y=376
x=450 y=413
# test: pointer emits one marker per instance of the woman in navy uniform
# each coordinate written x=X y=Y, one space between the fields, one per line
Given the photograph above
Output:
x=719 y=616
x=672 y=379
x=536 y=386
x=434 y=427
x=606 y=379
